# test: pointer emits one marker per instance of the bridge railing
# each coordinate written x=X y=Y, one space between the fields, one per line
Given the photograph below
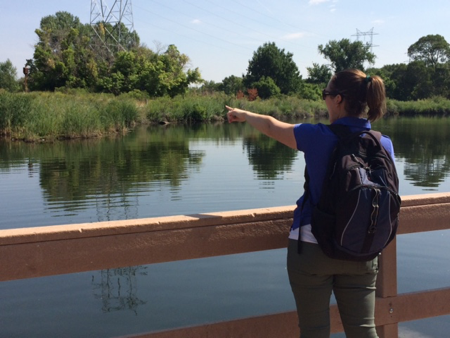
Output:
x=53 y=250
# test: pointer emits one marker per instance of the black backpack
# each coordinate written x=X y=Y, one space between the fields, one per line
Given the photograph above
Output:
x=357 y=213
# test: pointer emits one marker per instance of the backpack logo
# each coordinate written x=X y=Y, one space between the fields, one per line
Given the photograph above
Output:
x=357 y=214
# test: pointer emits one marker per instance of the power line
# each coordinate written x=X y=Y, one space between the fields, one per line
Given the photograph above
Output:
x=196 y=30
x=249 y=18
x=284 y=22
x=189 y=37
x=223 y=18
x=216 y=26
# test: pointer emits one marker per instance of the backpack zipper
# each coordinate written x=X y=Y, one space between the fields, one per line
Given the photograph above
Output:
x=375 y=211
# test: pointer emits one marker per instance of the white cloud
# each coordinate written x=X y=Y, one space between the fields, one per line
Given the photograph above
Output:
x=196 y=22
x=294 y=36
x=317 y=2
x=378 y=22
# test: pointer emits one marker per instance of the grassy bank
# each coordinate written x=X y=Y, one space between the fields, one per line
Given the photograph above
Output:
x=433 y=106
x=37 y=116
x=200 y=108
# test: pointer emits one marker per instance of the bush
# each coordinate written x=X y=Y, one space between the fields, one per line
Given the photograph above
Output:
x=136 y=95
x=193 y=108
x=195 y=113
x=266 y=87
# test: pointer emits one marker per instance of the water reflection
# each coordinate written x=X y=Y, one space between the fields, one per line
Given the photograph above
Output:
x=77 y=175
x=422 y=143
x=125 y=177
x=176 y=170
x=269 y=158
x=117 y=288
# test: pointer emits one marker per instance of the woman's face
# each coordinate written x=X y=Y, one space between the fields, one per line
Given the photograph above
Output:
x=334 y=103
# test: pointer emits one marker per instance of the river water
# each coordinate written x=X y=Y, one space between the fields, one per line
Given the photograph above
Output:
x=174 y=170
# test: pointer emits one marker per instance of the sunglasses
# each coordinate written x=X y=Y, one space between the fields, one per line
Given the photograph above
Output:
x=325 y=93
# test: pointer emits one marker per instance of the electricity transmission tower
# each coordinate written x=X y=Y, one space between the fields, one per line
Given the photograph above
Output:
x=364 y=34
x=113 y=25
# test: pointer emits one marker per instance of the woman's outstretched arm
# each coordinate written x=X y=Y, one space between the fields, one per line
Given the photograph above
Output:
x=281 y=131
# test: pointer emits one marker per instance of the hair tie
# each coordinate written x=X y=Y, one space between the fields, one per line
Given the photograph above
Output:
x=368 y=79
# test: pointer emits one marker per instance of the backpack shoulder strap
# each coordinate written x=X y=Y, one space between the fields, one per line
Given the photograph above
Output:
x=340 y=130
x=343 y=132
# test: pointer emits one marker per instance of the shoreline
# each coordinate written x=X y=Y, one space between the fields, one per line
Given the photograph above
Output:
x=41 y=117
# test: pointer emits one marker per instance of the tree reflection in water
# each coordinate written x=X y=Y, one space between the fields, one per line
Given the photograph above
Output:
x=270 y=159
x=106 y=178
x=422 y=144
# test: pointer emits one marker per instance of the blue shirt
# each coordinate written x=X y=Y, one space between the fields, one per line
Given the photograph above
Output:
x=317 y=142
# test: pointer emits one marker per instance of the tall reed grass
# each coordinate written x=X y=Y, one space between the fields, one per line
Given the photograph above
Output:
x=211 y=107
x=190 y=108
x=37 y=115
x=432 y=106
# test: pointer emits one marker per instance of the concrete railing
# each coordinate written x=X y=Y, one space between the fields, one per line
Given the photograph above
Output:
x=45 y=251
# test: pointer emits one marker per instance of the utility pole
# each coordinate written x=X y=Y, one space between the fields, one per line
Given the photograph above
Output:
x=26 y=72
x=364 y=34
x=114 y=24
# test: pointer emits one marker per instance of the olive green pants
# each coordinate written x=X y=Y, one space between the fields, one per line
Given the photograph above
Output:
x=313 y=276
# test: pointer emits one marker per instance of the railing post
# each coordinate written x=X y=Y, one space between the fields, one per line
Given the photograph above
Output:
x=387 y=287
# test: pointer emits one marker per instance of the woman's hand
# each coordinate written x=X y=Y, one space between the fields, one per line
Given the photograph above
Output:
x=236 y=115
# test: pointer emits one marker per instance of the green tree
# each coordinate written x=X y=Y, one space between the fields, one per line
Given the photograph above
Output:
x=411 y=81
x=418 y=74
x=431 y=49
x=344 y=54
x=176 y=80
x=166 y=74
x=311 y=91
x=434 y=52
x=427 y=75
x=266 y=87
x=124 y=73
x=109 y=39
x=270 y=61
x=8 y=74
x=319 y=74
x=232 y=84
x=210 y=87
x=68 y=54
x=157 y=74
x=62 y=56
x=441 y=80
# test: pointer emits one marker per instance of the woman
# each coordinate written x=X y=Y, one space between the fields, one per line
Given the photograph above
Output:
x=312 y=274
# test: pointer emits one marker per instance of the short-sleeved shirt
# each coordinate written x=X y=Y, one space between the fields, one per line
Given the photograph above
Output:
x=317 y=141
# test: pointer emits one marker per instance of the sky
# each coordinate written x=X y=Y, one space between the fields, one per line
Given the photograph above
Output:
x=221 y=36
